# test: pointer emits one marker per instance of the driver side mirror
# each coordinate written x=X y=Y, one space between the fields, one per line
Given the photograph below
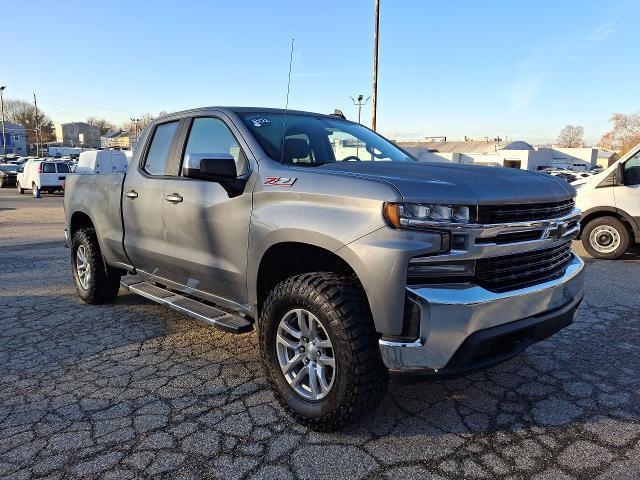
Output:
x=209 y=166
x=214 y=167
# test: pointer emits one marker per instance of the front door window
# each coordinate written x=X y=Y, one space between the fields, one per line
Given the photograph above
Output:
x=632 y=170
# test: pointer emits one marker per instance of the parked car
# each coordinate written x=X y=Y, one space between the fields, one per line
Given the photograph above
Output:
x=8 y=175
x=352 y=257
x=610 y=203
x=43 y=175
x=567 y=175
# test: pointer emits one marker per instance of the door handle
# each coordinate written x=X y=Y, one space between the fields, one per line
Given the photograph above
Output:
x=131 y=194
x=173 y=198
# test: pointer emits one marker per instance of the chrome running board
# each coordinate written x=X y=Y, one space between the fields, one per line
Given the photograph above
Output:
x=199 y=310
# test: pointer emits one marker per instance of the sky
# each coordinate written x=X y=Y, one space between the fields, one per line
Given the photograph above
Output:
x=516 y=69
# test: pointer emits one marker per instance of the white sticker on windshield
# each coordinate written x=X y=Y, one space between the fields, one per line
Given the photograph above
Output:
x=259 y=122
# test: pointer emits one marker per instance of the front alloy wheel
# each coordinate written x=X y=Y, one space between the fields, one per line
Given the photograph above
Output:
x=305 y=354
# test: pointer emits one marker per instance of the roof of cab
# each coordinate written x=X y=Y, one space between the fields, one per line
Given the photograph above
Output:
x=241 y=110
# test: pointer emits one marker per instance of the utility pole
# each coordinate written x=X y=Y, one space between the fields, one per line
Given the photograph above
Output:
x=35 y=103
x=375 y=66
x=4 y=138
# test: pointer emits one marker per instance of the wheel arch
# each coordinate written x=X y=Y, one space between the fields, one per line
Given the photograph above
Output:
x=284 y=259
x=78 y=221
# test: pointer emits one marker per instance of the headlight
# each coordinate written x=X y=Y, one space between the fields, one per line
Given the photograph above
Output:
x=416 y=215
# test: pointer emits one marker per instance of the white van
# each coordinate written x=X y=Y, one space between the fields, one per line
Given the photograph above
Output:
x=47 y=176
x=610 y=204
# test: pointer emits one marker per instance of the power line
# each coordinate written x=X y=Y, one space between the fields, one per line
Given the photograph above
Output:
x=79 y=100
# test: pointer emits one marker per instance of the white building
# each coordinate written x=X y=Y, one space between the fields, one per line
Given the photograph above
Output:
x=516 y=154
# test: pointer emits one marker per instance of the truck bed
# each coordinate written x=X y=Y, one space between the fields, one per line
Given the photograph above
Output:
x=99 y=197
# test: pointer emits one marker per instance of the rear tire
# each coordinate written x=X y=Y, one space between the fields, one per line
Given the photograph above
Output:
x=606 y=238
x=20 y=190
x=358 y=378
x=95 y=284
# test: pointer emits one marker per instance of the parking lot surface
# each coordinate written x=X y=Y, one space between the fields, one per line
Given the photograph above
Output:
x=136 y=390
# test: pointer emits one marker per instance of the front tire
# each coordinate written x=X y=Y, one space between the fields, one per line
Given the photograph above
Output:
x=20 y=190
x=606 y=238
x=320 y=351
x=95 y=284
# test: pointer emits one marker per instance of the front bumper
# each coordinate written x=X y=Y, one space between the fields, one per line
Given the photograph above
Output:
x=465 y=327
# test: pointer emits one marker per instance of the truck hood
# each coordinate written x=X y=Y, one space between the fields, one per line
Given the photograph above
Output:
x=459 y=184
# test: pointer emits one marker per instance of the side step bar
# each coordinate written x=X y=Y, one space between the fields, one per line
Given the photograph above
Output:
x=218 y=318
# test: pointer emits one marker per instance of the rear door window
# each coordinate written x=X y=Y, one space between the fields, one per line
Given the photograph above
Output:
x=63 y=168
x=48 y=168
x=160 y=148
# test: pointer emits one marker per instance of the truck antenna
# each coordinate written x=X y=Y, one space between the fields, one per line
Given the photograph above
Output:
x=286 y=105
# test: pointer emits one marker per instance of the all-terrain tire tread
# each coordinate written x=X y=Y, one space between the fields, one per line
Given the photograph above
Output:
x=368 y=377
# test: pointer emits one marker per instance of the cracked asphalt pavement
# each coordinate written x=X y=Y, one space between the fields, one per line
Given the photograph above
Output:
x=135 y=390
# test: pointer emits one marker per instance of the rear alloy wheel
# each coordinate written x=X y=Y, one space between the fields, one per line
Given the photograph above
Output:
x=320 y=350
x=95 y=283
x=606 y=238
x=83 y=268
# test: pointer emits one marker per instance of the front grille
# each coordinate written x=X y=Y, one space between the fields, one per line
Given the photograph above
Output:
x=523 y=212
x=515 y=237
x=511 y=272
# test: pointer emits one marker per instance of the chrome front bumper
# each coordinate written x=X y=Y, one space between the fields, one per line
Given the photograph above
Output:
x=451 y=314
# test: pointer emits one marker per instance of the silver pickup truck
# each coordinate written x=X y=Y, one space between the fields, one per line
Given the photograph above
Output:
x=351 y=257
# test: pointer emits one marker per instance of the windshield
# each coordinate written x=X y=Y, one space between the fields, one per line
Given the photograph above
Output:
x=8 y=168
x=313 y=140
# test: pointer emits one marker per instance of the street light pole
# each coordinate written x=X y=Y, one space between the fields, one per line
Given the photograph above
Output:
x=375 y=66
x=135 y=122
x=4 y=138
x=359 y=103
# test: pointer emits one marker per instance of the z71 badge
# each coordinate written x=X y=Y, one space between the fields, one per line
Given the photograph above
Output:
x=279 y=181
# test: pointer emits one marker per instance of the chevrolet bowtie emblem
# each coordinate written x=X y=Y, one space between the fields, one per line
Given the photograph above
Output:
x=557 y=230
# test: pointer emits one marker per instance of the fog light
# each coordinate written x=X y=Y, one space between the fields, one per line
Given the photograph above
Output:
x=419 y=268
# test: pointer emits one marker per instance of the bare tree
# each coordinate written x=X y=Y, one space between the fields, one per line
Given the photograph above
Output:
x=624 y=134
x=130 y=126
x=24 y=113
x=571 y=136
x=104 y=124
